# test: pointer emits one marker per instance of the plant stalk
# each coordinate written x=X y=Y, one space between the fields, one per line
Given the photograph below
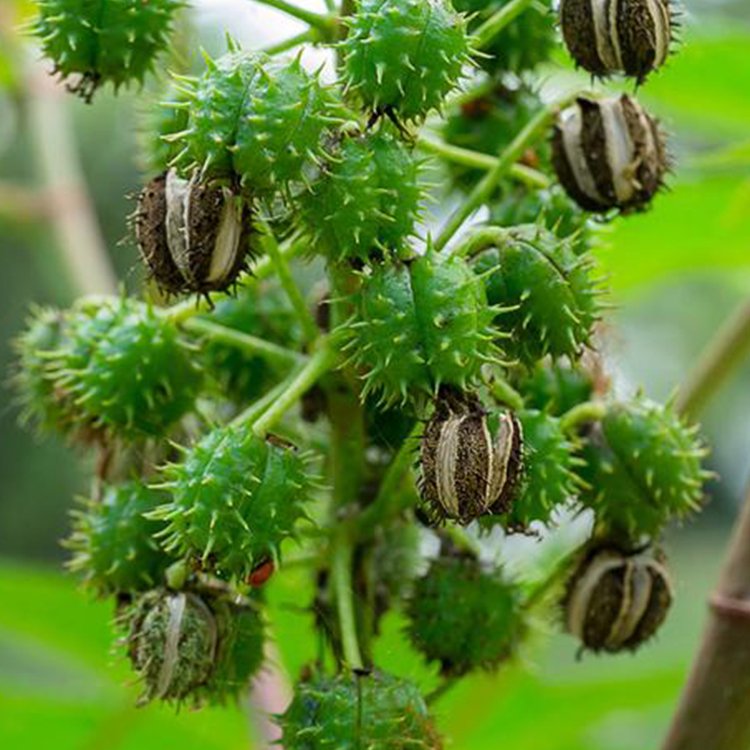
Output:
x=316 y=20
x=498 y=21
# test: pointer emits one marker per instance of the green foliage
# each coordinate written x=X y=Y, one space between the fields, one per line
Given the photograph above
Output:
x=555 y=387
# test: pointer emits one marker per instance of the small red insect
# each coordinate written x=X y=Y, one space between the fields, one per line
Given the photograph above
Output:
x=261 y=574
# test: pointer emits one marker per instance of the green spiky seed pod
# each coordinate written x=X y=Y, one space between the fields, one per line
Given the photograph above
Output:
x=349 y=712
x=405 y=56
x=464 y=615
x=158 y=121
x=555 y=388
x=235 y=498
x=418 y=325
x=46 y=408
x=549 y=481
x=522 y=45
x=94 y=43
x=255 y=119
x=172 y=644
x=262 y=309
x=643 y=467
x=550 y=290
x=366 y=200
x=127 y=369
x=113 y=542
x=616 y=601
x=488 y=122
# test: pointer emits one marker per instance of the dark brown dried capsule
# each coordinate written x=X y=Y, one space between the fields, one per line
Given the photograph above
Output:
x=617 y=36
x=193 y=236
x=609 y=153
x=470 y=461
x=617 y=601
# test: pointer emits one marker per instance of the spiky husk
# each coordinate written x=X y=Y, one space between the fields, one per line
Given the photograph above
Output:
x=523 y=44
x=464 y=615
x=113 y=543
x=550 y=291
x=127 y=369
x=643 y=468
x=405 y=56
x=549 y=481
x=115 y=41
x=235 y=498
x=261 y=309
x=349 y=712
x=256 y=120
x=158 y=121
x=555 y=387
x=365 y=201
x=418 y=325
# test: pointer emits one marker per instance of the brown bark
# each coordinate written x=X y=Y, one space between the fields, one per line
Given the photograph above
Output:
x=714 y=710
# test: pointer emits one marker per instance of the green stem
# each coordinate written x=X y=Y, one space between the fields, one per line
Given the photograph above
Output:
x=316 y=20
x=498 y=21
x=557 y=575
x=341 y=571
x=311 y=35
x=588 y=411
x=724 y=353
x=318 y=365
x=271 y=246
x=504 y=392
x=533 y=129
x=273 y=353
x=441 y=690
x=259 y=407
x=478 y=160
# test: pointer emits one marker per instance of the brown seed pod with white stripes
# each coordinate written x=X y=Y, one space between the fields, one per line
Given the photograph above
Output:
x=609 y=154
x=193 y=236
x=470 y=461
x=618 y=36
x=617 y=601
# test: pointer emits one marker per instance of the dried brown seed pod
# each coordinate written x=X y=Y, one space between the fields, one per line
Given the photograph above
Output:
x=618 y=36
x=609 y=153
x=617 y=601
x=470 y=460
x=193 y=236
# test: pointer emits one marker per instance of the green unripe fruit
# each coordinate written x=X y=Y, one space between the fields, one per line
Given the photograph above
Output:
x=555 y=388
x=158 y=122
x=365 y=201
x=127 y=369
x=235 y=498
x=464 y=616
x=643 y=468
x=523 y=44
x=260 y=309
x=549 y=480
x=108 y=41
x=549 y=289
x=405 y=56
x=113 y=542
x=350 y=712
x=255 y=120
x=418 y=325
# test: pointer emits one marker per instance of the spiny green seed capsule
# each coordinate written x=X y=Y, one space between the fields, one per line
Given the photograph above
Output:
x=617 y=601
x=556 y=388
x=420 y=324
x=191 y=647
x=127 y=370
x=609 y=153
x=235 y=498
x=193 y=236
x=643 y=465
x=404 y=56
x=156 y=123
x=522 y=45
x=349 y=712
x=366 y=200
x=618 y=36
x=93 y=43
x=464 y=615
x=548 y=293
x=470 y=461
x=549 y=481
x=255 y=120
x=113 y=542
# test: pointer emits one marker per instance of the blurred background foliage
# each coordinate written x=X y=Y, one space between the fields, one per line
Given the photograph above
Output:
x=676 y=272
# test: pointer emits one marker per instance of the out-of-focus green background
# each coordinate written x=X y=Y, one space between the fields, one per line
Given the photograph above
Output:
x=676 y=273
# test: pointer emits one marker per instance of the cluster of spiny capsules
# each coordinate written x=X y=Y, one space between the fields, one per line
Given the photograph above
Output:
x=482 y=350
